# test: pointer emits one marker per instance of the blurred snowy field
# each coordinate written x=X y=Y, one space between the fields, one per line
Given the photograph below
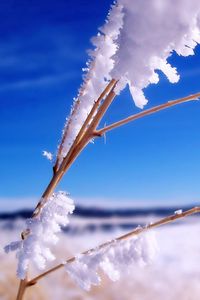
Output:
x=175 y=273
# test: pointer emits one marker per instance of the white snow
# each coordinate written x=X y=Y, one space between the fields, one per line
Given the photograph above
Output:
x=43 y=229
x=114 y=260
x=152 y=31
x=178 y=212
x=47 y=154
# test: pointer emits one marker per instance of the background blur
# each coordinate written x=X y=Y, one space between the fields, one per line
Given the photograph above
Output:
x=141 y=172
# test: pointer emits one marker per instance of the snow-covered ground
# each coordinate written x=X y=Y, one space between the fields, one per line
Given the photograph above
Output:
x=175 y=273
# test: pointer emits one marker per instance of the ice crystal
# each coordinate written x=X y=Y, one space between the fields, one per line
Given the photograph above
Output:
x=178 y=212
x=48 y=155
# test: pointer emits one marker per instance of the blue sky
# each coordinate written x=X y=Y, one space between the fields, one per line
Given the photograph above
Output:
x=43 y=49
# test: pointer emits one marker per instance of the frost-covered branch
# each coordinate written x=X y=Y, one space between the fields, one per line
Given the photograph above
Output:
x=42 y=234
x=139 y=230
x=146 y=112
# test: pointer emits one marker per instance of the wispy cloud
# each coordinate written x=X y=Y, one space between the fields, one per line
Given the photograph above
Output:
x=38 y=82
x=49 y=56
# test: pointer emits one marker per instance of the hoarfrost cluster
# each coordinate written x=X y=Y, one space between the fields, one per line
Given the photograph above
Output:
x=151 y=31
x=137 y=39
x=114 y=260
x=43 y=229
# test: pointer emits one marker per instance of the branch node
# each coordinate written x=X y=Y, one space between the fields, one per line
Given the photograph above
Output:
x=97 y=134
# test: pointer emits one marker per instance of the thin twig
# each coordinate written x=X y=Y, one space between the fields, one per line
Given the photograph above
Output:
x=97 y=119
x=146 y=112
x=135 y=232
x=87 y=121
x=22 y=288
x=81 y=92
x=79 y=144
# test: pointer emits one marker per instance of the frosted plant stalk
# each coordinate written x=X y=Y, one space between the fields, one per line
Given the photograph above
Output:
x=96 y=77
x=114 y=260
x=43 y=229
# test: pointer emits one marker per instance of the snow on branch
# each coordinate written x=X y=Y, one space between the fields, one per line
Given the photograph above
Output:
x=114 y=260
x=152 y=31
x=43 y=231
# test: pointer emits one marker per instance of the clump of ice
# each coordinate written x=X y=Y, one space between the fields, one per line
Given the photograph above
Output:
x=113 y=260
x=151 y=31
x=47 y=154
x=43 y=229
x=178 y=212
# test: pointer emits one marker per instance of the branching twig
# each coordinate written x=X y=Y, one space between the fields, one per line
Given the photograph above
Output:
x=147 y=112
x=87 y=121
x=135 y=232
x=88 y=132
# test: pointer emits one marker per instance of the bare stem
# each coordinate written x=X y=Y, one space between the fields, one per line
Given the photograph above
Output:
x=103 y=109
x=146 y=112
x=22 y=288
x=130 y=234
x=83 y=138
x=87 y=121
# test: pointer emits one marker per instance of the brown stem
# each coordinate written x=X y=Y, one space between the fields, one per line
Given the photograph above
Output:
x=83 y=138
x=22 y=288
x=103 y=109
x=90 y=132
x=138 y=230
x=85 y=134
x=87 y=121
x=146 y=112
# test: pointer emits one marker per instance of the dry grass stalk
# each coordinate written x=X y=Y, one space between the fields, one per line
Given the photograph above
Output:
x=147 y=112
x=87 y=133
